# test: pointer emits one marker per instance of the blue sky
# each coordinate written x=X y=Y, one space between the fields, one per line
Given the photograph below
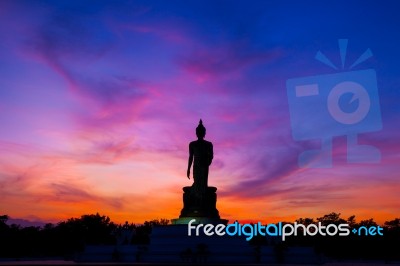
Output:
x=99 y=100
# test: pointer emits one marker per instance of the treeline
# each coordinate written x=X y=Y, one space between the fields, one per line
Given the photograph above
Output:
x=68 y=237
x=354 y=246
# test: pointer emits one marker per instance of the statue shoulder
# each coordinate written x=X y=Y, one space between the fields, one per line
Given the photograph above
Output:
x=192 y=143
x=209 y=143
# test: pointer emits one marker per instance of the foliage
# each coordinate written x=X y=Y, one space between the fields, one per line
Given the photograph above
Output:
x=71 y=236
x=67 y=237
x=352 y=246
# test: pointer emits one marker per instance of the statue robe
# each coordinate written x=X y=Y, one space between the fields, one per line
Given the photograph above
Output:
x=202 y=151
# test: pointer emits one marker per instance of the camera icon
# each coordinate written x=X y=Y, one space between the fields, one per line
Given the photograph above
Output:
x=343 y=104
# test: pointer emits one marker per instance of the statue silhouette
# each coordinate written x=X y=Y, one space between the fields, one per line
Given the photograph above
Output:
x=199 y=200
x=201 y=155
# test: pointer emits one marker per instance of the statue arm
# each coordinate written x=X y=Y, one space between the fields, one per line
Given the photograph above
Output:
x=211 y=153
x=190 y=161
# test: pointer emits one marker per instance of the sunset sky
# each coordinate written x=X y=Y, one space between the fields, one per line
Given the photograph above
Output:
x=100 y=99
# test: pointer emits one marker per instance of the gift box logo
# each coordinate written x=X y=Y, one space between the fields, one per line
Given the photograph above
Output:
x=342 y=104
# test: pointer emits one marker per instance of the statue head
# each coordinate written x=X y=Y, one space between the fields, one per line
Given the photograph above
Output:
x=200 y=130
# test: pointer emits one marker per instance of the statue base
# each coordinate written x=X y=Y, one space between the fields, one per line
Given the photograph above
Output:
x=203 y=209
x=204 y=206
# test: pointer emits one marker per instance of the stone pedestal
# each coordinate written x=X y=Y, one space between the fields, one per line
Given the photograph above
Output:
x=203 y=209
x=205 y=206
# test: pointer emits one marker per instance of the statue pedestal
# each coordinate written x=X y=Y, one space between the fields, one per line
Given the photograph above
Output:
x=203 y=208
x=200 y=207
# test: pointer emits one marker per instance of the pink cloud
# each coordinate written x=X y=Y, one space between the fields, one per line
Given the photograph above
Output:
x=170 y=32
x=224 y=61
x=71 y=193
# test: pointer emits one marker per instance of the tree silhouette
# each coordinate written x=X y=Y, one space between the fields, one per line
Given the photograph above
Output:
x=71 y=236
x=351 y=221
x=305 y=221
x=393 y=224
x=368 y=223
x=331 y=218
